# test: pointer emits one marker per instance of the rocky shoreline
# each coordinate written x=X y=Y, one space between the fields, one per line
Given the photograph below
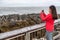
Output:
x=16 y=21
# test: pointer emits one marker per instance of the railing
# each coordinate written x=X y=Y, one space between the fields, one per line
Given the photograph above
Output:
x=24 y=33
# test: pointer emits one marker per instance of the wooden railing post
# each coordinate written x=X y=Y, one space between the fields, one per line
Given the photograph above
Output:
x=27 y=36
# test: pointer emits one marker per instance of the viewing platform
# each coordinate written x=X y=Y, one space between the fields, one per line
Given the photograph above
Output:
x=34 y=32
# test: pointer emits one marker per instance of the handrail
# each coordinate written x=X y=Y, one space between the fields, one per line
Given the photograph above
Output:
x=23 y=30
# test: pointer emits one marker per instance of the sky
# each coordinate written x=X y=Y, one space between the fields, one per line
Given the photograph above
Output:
x=25 y=3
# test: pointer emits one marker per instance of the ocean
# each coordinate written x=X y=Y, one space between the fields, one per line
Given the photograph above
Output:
x=24 y=10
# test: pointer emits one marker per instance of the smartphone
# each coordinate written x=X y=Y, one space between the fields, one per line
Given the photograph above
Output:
x=42 y=10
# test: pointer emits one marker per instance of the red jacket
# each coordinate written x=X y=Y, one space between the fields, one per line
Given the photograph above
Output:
x=49 y=21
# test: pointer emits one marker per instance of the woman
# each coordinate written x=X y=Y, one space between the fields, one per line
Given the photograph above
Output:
x=49 y=21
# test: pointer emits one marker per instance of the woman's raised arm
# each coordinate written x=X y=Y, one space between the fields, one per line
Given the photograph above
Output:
x=43 y=16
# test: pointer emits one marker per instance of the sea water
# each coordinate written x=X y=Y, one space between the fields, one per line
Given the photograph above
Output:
x=24 y=10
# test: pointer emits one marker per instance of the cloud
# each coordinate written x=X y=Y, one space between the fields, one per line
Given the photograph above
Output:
x=29 y=2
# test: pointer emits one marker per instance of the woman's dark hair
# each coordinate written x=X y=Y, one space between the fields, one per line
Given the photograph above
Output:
x=54 y=12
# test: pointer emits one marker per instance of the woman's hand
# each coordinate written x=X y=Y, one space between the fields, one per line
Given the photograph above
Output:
x=42 y=12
